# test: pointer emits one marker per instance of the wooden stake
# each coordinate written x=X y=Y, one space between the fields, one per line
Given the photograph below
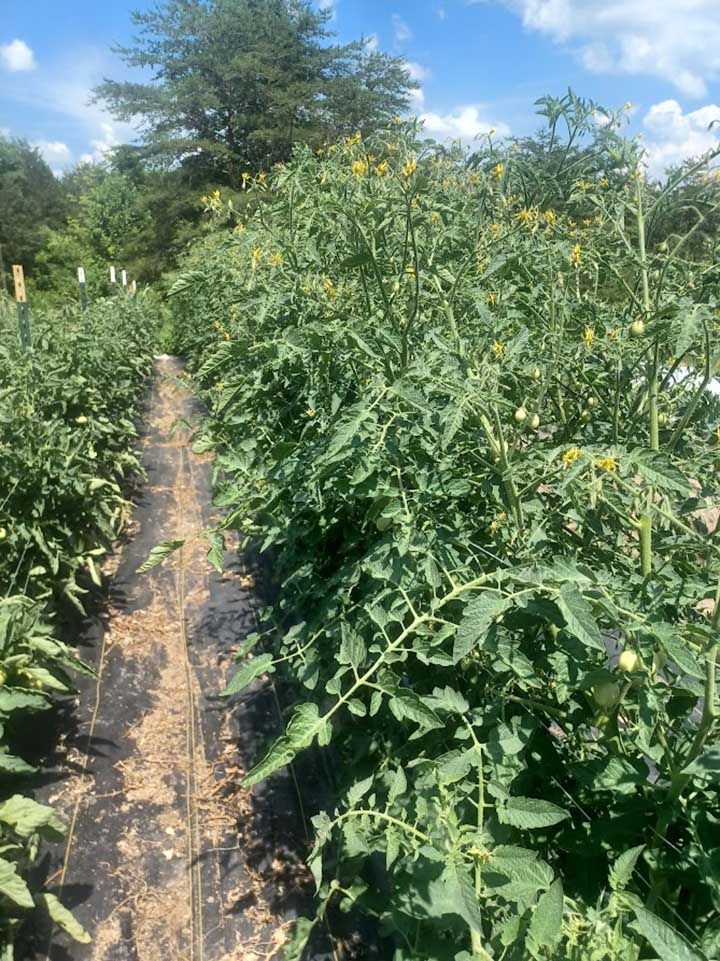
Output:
x=22 y=306
x=19 y=281
x=83 y=288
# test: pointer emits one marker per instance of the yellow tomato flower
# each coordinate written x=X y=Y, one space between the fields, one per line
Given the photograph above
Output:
x=435 y=218
x=256 y=256
x=360 y=168
x=498 y=348
x=381 y=169
x=570 y=456
x=351 y=141
x=498 y=170
x=409 y=168
x=550 y=217
x=276 y=260
x=588 y=337
x=495 y=228
x=576 y=255
x=497 y=522
x=607 y=464
x=492 y=298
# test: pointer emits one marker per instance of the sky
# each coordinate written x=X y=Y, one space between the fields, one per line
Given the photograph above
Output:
x=481 y=64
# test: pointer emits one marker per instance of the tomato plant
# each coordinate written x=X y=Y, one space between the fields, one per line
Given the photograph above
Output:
x=66 y=437
x=436 y=383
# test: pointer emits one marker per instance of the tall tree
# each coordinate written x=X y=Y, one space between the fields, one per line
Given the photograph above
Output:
x=236 y=82
x=31 y=199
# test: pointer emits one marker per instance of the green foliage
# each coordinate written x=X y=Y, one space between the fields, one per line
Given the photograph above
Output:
x=66 y=438
x=30 y=200
x=107 y=217
x=237 y=82
x=456 y=584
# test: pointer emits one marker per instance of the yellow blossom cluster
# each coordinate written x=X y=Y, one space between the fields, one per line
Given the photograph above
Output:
x=212 y=201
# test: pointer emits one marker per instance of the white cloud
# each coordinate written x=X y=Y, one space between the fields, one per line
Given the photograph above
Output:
x=371 y=43
x=441 y=13
x=418 y=73
x=674 y=136
x=5 y=131
x=673 y=39
x=330 y=5
x=17 y=56
x=55 y=152
x=402 y=31
x=102 y=145
x=463 y=123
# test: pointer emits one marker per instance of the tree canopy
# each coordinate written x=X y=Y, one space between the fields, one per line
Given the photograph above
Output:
x=234 y=83
x=30 y=199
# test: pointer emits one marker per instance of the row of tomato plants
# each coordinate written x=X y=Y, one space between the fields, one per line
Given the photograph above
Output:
x=67 y=432
x=465 y=401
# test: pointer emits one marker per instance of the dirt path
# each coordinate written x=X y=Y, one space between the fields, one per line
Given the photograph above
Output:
x=166 y=858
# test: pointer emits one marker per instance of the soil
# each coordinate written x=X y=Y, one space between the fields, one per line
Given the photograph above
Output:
x=167 y=858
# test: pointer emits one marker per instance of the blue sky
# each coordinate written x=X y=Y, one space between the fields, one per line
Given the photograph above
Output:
x=481 y=64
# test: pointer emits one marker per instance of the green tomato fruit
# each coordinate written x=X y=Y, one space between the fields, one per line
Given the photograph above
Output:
x=3 y=533
x=662 y=420
x=592 y=402
x=629 y=662
x=536 y=373
x=520 y=415
x=586 y=417
x=534 y=422
x=606 y=695
x=637 y=328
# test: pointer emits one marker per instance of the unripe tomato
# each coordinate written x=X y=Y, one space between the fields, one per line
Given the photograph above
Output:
x=592 y=402
x=82 y=419
x=520 y=415
x=3 y=533
x=534 y=422
x=586 y=417
x=606 y=695
x=536 y=373
x=662 y=419
x=637 y=328
x=629 y=662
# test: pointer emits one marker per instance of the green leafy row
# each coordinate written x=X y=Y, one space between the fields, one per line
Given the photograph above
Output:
x=464 y=400
x=66 y=445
